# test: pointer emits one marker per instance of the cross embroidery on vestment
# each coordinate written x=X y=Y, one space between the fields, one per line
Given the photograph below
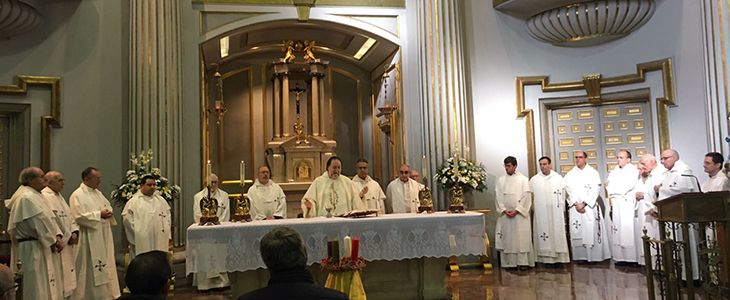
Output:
x=100 y=265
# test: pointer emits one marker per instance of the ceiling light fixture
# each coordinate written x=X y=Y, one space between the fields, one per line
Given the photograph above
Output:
x=364 y=48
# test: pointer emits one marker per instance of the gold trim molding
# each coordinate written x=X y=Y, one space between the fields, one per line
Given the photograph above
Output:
x=48 y=122
x=663 y=103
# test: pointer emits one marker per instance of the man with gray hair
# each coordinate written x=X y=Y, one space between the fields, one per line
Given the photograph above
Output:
x=650 y=175
x=67 y=225
x=35 y=237
x=402 y=193
x=285 y=256
x=678 y=179
x=212 y=280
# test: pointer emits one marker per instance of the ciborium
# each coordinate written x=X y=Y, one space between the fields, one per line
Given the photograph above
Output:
x=425 y=200
x=242 y=212
x=209 y=210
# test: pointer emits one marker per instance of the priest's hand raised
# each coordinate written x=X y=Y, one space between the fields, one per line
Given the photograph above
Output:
x=106 y=214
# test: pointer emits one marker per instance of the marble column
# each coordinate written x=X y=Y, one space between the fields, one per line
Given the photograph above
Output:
x=154 y=90
x=716 y=38
x=447 y=113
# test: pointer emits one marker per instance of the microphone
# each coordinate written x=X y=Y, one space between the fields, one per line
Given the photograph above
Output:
x=696 y=180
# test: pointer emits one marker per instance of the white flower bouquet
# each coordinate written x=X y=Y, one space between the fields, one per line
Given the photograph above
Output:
x=140 y=168
x=463 y=173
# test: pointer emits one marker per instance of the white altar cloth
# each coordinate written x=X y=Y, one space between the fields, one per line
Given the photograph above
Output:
x=231 y=247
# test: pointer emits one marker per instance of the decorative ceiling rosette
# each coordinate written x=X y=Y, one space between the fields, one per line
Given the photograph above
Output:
x=17 y=17
x=590 y=23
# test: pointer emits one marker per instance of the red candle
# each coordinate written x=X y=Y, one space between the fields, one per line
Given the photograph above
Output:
x=355 y=247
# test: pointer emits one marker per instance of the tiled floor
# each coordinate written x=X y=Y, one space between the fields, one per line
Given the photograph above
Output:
x=597 y=281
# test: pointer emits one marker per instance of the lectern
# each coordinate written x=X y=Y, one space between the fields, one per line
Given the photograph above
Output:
x=702 y=213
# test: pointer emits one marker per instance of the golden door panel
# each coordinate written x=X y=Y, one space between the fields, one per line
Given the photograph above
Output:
x=601 y=131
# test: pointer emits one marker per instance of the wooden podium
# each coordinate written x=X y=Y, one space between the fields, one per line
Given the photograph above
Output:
x=698 y=210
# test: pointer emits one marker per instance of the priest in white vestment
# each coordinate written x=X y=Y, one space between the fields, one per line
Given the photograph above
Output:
x=549 y=238
x=650 y=175
x=332 y=192
x=513 y=235
x=212 y=280
x=96 y=269
x=369 y=190
x=678 y=179
x=716 y=182
x=268 y=201
x=588 y=234
x=67 y=225
x=147 y=219
x=402 y=193
x=621 y=202
x=36 y=239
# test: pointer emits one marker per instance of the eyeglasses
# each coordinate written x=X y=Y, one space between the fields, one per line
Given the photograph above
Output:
x=577 y=157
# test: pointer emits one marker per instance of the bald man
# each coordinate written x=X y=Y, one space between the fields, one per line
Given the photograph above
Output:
x=67 y=225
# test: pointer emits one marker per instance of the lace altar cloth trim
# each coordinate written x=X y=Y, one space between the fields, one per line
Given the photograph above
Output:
x=233 y=247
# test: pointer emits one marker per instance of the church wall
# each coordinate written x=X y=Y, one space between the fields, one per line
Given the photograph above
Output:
x=84 y=43
x=499 y=49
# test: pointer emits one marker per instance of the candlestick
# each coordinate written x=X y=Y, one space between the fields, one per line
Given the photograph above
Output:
x=242 y=173
x=348 y=246
x=208 y=172
x=355 y=247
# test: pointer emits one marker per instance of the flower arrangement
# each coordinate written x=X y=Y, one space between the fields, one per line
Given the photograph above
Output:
x=140 y=168
x=343 y=264
x=460 y=172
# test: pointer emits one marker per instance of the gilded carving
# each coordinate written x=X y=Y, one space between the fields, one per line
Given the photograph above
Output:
x=565 y=116
x=610 y=153
x=611 y=113
x=589 y=127
x=638 y=124
x=585 y=114
x=608 y=126
x=635 y=138
x=614 y=139
x=591 y=154
x=623 y=125
x=567 y=142
x=561 y=129
x=633 y=111
x=587 y=141
x=564 y=155
x=575 y=128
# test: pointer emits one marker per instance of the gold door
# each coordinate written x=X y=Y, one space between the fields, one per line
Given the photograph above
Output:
x=601 y=131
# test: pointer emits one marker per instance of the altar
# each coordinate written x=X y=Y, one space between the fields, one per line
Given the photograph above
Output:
x=406 y=253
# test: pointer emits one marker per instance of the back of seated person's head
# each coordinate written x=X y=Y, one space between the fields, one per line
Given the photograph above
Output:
x=148 y=273
x=7 y=283
x=282 y=249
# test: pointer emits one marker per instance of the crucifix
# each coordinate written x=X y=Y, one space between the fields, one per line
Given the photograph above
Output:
x=558 y=193
x=301 y=135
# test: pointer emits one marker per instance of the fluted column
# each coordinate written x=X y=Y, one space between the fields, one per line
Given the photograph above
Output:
x=285 y=124
x=154 y=90
x=717 y=47
x=277 y=107
x=445 y=109
x=315 y=105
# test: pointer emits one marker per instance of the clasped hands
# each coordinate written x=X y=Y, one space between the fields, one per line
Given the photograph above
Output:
x=511 y=213
x=580 y=207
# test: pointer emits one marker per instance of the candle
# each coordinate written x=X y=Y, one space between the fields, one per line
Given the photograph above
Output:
x=452 y=242
x=208 y=172
x=423 y=167
x=355 y=247
x=336 y=250
x=329 y=249
x=347 y=243
x=242 y=173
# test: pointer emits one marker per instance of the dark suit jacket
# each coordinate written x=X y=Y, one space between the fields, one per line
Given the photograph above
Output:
x=293 y=284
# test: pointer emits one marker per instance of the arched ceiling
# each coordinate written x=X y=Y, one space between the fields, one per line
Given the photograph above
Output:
x=265 y=40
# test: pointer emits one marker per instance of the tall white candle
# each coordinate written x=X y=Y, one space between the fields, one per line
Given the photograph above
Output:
x=423 y=167
x=348 y=246
x=242 y=173
x=208 y=172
